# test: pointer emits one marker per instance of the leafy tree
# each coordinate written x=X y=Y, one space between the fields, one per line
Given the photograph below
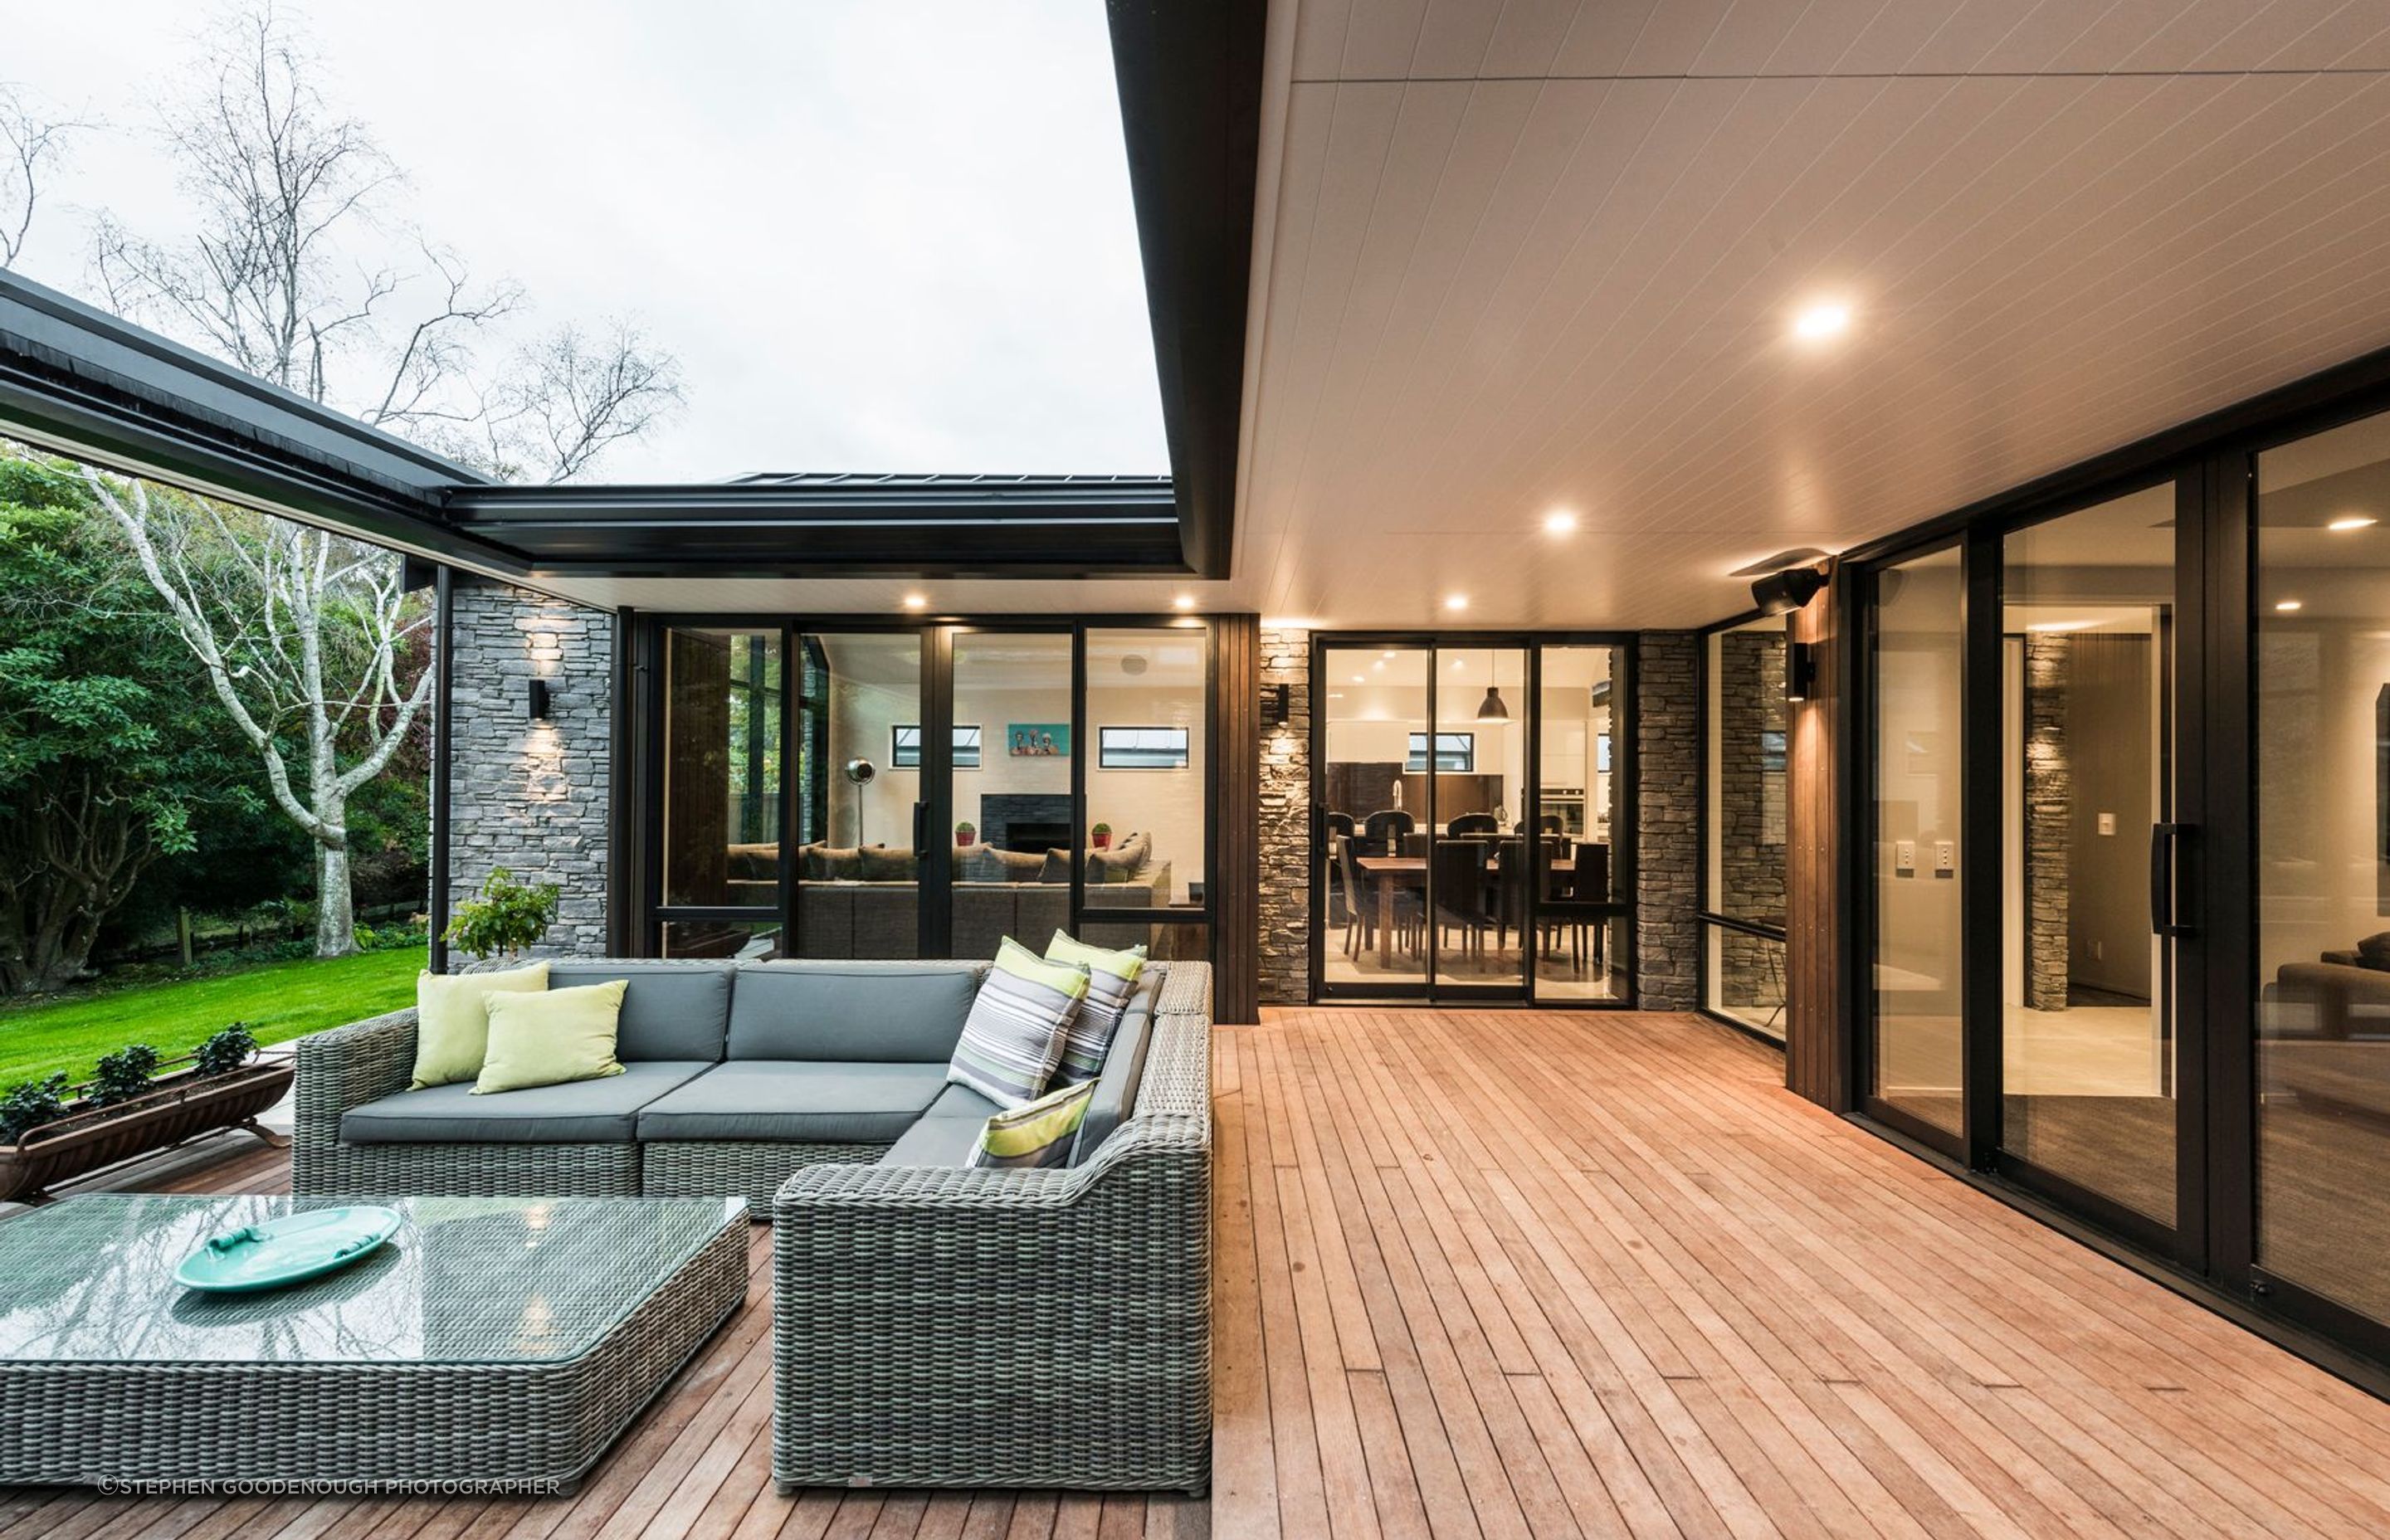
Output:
x=108 y=745
x=307 y=638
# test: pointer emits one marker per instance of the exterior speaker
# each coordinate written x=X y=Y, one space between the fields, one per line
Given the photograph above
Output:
x=1782 y=593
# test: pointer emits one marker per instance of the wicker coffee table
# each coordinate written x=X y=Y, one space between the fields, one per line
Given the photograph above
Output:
x=495 y=1344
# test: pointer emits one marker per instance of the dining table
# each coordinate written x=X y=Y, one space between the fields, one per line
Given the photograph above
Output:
x=1391 y=873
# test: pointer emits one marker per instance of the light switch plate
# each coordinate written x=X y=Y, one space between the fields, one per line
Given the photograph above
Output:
x=1904 y=856
x=2107 y=823
x=1945 y=856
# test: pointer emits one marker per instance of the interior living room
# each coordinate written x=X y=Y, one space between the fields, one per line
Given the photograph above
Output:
x=1729 y=820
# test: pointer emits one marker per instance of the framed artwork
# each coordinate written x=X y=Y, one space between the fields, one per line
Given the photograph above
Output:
x=1039 y=740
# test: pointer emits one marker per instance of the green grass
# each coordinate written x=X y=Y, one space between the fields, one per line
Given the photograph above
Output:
x=279 y=1001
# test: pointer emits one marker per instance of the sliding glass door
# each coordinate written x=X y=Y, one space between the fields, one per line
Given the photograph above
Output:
x=1470 y=819
x=2089 y=854
x=901 y=791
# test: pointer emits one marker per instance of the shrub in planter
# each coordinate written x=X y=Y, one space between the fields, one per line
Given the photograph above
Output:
x=123 y=1076
x=32 y=1104
x=226 y=1051
x=1102 y=836
x=965 y=832
x=509 y=917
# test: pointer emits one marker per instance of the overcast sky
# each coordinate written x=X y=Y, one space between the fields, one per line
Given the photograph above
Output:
x=881 y=235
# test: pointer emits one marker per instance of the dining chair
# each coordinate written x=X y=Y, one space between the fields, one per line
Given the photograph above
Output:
x=1457 y=867
x=1377 y=825
x=1471 y=823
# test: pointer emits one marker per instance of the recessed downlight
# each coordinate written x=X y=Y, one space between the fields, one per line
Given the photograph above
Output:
x=917 y=601
x=1824 y=319
x=1456 y=602
x=1184 y=601
x=1560 y=521
x=2290 y=607
x=2348 y=521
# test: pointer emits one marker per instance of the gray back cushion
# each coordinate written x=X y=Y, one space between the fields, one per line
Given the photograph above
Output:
x=673 y=1011
x=1115 y=1099
x=905 y=1014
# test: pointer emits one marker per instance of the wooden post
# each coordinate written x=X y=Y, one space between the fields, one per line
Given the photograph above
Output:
x=183 y=933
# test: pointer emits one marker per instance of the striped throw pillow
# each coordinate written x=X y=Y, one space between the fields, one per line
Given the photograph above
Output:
x=1038 y=1135
x=1112 y=978
x=1013 y=1037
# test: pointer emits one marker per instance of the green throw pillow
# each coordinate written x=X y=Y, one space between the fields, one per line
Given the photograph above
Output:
x=452 y=1019
x=1013 y=1037
x=549 y=1039
x=1038 y=1135
x=1112 y=980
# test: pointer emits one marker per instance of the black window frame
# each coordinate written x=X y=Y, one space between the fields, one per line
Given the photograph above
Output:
x=896 y=745
x=1415 y=755
x=1104 y=751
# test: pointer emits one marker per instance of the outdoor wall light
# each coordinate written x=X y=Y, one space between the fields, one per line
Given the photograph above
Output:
x=1277 y=704
x=1800 y=670
x=542 y=700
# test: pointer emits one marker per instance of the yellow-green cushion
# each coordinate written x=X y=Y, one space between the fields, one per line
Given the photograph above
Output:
x=1038 y=1135
x=452 y=1019
x=549 y=1039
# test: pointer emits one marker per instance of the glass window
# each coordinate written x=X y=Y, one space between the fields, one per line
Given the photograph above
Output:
x=1581 y=952
x=721 y=769
x=1921 y=615
x=858 y=878
x=1013 y=877
x=1746 y=790
x=1375 y=863
x=2321 y=678
x=904 y=747
x=1141 y=748
x=1456 y=754
x=1145 y=799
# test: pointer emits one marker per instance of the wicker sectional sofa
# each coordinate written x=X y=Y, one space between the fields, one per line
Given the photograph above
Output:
x=933 y=1325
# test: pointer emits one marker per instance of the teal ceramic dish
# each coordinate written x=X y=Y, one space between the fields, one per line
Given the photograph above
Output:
x=289 y=1249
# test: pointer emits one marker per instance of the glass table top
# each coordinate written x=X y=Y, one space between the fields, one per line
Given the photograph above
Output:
x=495 y=1280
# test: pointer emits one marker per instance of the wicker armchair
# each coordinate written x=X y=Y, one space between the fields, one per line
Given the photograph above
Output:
x=1041 y=1328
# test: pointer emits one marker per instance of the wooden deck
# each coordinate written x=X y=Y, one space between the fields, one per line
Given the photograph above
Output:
x=1500 y=1275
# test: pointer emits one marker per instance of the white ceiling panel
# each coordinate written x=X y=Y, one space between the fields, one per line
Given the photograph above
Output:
x=1528 y=255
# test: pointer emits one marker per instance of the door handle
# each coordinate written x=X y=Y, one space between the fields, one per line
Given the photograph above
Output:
x=2163 y=841
x=920 y=830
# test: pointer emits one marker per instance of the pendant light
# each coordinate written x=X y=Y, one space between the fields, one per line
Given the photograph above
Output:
x=1491 y=709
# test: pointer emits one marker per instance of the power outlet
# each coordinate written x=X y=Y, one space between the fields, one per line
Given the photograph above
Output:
x=1946 y=857
x=2107 y=823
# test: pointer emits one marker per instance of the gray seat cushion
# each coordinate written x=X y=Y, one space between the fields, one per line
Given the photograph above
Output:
x=958 y=1100
x=796 y=1103
x=580 y=1111
x=937 y=1142
x=673 y=1011
x=813 y=1012
x=1115 y=1099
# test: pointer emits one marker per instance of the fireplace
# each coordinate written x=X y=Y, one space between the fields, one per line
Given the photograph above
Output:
x=1025 y=821
x=1031 y=835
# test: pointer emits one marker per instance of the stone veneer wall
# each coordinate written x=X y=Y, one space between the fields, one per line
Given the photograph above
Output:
x=527 y=795
x=1750 y=811
x=1285 y=813
x=2049 y=807
x=1667 y=828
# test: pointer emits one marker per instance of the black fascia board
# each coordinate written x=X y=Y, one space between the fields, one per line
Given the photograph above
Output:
x=1188 y=73
x=82 y=382
x=954 y=526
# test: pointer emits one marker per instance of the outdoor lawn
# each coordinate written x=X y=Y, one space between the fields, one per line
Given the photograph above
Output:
x=279 y=1001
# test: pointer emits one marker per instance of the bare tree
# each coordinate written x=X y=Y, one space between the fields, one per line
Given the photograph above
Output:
x=35 y=143
x=302 y=634
x=289 y=276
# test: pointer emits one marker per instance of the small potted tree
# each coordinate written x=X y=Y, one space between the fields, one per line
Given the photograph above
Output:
x=51 y=1132
x=507 y=920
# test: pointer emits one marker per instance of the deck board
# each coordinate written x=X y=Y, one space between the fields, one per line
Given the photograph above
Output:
x=1483 y=1276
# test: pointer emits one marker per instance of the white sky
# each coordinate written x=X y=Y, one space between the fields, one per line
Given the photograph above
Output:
x=891 y=235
